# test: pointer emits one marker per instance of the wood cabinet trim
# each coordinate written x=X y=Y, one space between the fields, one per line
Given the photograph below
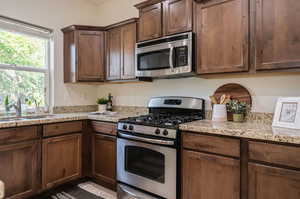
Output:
x=212 y=144
x=18 y=134
x=274 y=154
x=104 y=127
x=62 y=128
x=122 y=23
x=147 y=3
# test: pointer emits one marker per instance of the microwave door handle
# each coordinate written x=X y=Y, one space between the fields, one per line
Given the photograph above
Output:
x=153 y=141
x=171 y=57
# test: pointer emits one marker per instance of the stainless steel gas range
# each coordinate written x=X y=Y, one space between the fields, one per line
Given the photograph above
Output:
x=148 y=148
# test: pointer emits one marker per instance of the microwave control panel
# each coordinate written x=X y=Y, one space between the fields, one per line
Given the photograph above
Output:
x=181 y=56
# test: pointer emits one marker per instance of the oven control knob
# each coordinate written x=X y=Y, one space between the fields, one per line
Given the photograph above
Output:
x=124 y=126
x=157 y=131
x=165 y=132
x=131 y=127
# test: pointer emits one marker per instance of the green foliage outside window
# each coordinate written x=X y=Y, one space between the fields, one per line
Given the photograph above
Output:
x=21 y=50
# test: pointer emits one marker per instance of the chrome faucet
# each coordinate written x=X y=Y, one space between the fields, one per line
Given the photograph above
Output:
x=18 y=107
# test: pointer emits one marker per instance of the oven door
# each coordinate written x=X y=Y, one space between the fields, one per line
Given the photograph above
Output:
x=149 y=167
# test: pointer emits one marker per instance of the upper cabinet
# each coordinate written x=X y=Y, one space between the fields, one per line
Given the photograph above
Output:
x=177 y=16
x=84 y=54
x=121 y=40
x=276 y=34
x=222 y=36
x=161 y=18
x=150 y=22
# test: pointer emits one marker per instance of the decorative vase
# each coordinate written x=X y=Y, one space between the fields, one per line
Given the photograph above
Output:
x=238 y=117
x=219 y=113
x=101 y=108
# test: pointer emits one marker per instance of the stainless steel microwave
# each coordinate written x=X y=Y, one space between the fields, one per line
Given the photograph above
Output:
x=165 y=57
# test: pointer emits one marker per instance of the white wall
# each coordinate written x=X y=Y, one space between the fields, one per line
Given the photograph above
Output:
x=56 y=14
x=264 y=89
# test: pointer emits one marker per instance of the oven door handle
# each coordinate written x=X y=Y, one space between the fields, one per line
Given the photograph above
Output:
x=153 y=141
x=171 y=57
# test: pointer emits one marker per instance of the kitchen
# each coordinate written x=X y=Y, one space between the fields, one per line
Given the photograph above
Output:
x=154 y=143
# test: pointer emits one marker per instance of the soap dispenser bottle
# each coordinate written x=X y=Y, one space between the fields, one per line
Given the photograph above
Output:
x=109 y=103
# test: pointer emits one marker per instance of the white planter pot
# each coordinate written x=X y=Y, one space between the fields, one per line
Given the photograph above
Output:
x=1 y=189
x=219 y=113
x=102 y=108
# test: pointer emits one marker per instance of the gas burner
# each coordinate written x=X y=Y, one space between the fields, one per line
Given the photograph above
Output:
x=163 y=119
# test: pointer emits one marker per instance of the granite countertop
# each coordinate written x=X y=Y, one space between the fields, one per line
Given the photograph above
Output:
x=53 y=118
x=244 y=130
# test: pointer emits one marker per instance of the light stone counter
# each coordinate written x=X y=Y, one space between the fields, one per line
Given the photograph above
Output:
x=68 y=117
x=250 y=130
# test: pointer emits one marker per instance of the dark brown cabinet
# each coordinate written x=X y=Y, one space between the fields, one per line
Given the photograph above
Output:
x=84 y=54
x=104 y=159
x=150 y=22
x=208 y=176
x=177 y=16
x=276 y=35
x=162 y=18
x=61 y=160
x=222 y=36
x=19 y=168
x=267 y=182
x=121 y=40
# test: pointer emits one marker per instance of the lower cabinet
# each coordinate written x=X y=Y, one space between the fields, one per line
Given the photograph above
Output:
x=206 y=176
x=267 y=182
x=19 y=168
x=61 y=161
x=104 y=159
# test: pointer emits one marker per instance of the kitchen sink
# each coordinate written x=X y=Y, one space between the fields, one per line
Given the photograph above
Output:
x=11 y=119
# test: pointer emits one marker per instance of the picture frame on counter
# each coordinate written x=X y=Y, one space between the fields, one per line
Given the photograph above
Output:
x=287 y=113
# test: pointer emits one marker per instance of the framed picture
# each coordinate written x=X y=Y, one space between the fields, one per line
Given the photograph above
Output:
x=287 y=113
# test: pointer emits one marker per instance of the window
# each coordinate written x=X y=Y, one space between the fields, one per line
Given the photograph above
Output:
x=24 y=64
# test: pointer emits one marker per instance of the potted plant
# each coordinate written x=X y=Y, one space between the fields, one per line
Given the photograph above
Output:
x=102 y=104
x=238 y=109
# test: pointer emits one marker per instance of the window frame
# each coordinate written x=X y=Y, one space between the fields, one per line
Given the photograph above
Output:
x=16 y=26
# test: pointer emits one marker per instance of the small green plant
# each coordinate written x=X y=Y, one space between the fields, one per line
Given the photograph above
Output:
x=102 y=101
x=236 y=107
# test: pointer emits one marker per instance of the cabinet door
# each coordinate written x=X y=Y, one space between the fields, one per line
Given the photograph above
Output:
x=273 y=183
x=177 y=16
x=61 y=159
x=222 y=36
x=207 y=176
x=277 y=34
x=150 y=22
x=104 y=159
x=90 y=52
x=114 y=54
x=19 y=169
x=128 y=46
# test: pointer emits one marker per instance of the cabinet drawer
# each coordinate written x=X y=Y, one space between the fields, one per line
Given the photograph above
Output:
x=205 y=143
x=275 y=153
x=18 y=134
x=62 y=128
x=104 y=127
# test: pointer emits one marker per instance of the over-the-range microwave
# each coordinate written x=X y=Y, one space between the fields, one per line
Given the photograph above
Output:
x=166 y=57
